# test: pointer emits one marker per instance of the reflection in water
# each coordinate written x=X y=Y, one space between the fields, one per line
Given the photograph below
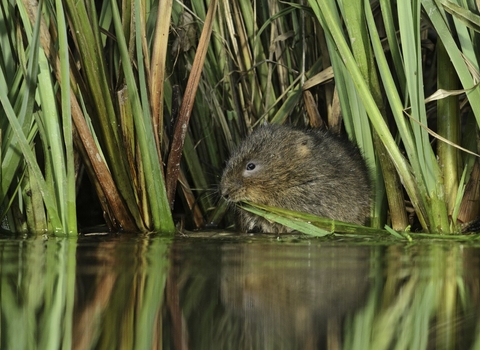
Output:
x=150 y=293
x=429 y=299
x=37 y=281
x=288 y=296
x=123 y=281
x=102 y=293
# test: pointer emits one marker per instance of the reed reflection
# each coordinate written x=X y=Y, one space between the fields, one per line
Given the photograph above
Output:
x=149 y=293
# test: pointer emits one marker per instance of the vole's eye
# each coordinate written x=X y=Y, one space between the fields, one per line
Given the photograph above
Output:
x=251 y=169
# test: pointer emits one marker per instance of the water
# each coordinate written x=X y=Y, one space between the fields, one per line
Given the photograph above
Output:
x=140 y=292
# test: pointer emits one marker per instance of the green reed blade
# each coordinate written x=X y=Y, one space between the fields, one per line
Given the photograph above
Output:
x=69 y=212
x=327 y=16
x=98 y=95
x=455 y=55
x=308 y=223
x=32 y=163
x=155 y=188
x=295 y=224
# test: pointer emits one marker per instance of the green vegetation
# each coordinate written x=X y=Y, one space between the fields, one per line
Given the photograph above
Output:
x=97 y=95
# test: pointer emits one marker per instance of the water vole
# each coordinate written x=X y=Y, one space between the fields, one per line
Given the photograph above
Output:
x=311 y=171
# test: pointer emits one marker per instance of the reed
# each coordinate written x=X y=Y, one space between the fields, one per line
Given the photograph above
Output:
x=148 y=99
x=420 y=171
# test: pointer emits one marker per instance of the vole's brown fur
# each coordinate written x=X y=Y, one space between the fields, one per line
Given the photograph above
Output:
x=311 y=171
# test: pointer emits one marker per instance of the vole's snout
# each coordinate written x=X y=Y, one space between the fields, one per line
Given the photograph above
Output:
x=230 y=191
x=224 y=192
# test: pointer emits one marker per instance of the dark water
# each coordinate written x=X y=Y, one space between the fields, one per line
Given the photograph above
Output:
x=133 y=292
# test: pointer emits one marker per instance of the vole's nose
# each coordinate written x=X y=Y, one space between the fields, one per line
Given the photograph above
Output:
x=229 y=190
x=224 y=189
x=224 y=194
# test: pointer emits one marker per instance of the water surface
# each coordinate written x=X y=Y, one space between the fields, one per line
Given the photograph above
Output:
x=249 y=292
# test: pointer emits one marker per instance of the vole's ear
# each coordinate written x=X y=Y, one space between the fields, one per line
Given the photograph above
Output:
x=305 y=145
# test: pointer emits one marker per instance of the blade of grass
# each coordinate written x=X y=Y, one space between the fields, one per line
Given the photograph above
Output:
x=99 y=96
x=173 y=164
x=52 y=139
x=468 y=18
x=430 y=174
x=32 y=206
x=69 y=199
x=305 y=220
x=326 y=16
x=122 y=217
x=155 y=189
x=456 y=56
x=157 y=73
x=195 y=166
x=448 y=123
x=49 y=197
x=392 y=94
x=393 y=43
x=244 y=31
x=31 y=161
x=295 y=224
x=23 y=100
x=385 y=180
